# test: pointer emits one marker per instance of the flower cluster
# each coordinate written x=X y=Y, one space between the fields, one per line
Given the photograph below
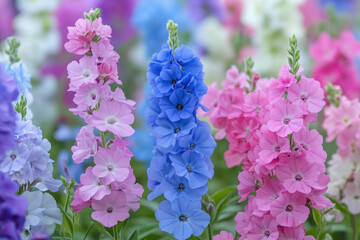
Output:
x=342 y=122
x=335 y=62
x=181 y=165
x=12 y=209
x=109 y=186
x=8 y=94
x=266 y=123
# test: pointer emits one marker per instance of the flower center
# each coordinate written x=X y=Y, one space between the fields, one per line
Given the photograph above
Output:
x=109 y=210
x=192 y=145
x=182 y=218
x=305 y=146
x=111 y=120
x=289 y=208
x=181 y=187
x=176 y=130
x=257 y=109
x=277 y=148
x=298 y=177
x=173 y=82
x=179 y=107
x=99 y=182
x=86 y=73
x=110 y=168
x=286 y=120
x=304 y=97
x=189 y=169
x=13 y=156
x=267 y=233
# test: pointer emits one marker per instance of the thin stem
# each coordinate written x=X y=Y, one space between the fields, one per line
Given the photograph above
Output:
x=103 y=139
x=89 y=230
x=354 y=227
x=67 y=200
x=210 y=232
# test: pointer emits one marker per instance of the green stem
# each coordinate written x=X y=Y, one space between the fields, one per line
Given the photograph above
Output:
x=115 y=232
x=67 y=200
x=210 y=232
x=354 y=227
x=88 y=231
x=103 y=139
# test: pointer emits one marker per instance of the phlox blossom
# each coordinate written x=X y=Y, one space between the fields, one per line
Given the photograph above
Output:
x=81 y=73
x=110 y=209
x=92 y=186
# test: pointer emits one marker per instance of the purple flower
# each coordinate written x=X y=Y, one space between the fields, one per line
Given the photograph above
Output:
x=12 y=209
x=201 y=9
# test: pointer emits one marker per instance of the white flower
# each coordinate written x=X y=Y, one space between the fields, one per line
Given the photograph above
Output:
x=42 y=214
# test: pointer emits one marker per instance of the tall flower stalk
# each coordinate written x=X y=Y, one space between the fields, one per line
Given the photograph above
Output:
x=181 y=165
x=266 y=123
x=109 y=186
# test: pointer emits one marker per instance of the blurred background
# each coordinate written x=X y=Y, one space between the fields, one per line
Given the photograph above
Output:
x=222 y=32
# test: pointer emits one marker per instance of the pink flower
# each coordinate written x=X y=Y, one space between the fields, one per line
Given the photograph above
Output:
x=338 y=119
x=285 y=118
x=307 y=94
x=103 y=52
x=210 y=100
x=281 y=85
x=298 y=175
x=119 y=96
x=264 y=228
x=290 y=210
x=224 y=236
x=297 y=233
x=84 y=72
x=352 y=196
x=233 y=158
x=247 y=184
x=79 y=37
x=92 y=186
x=310 y=142
x=111 y=165
x=83 y=34
x=114 y=117
x=255 y=103
x=111 y=209
x=272 y=146
x=234 y=79
x=268 y=193
x=87 y=145
x=78 y=204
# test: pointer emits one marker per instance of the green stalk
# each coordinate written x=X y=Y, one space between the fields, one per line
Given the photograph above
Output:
x=88 y=231
x=210 y=232
x=354 y=227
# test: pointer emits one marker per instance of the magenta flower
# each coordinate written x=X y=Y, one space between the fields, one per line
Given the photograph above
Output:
x=223 y=235
x=110 y=209
x=92 y=186
x=114 y=117
x=272 y=146
x=310 y=142
x=290 y=210
x=298 y=175
x=307 y=94
x=287 y=233
x=268 y=193
x=111 y=165
x=285 y=118
x=246 y=186
x=87 y=145
x=81 y=73
x=264 y=228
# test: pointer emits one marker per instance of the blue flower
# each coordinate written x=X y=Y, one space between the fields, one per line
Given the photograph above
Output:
x=168 y=80
x=182 y=218
x=151 y=16
x=66 y=133
x=189 y=62
x=167 y=132
x=180 y=105
x=200 y=141
x=21 y=75
x=193 y=167
x=340 y=5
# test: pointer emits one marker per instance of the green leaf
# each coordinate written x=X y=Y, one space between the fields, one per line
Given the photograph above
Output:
x=67 y=223
x=219 y=195
x=317 y=216
x=134 y=236
x=147 y=230
x=102 y=229
x=222 y=205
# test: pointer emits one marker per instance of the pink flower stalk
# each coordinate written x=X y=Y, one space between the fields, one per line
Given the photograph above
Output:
x=109 y=187
x=335 y=62
x=283 y=161
x=342 y=123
